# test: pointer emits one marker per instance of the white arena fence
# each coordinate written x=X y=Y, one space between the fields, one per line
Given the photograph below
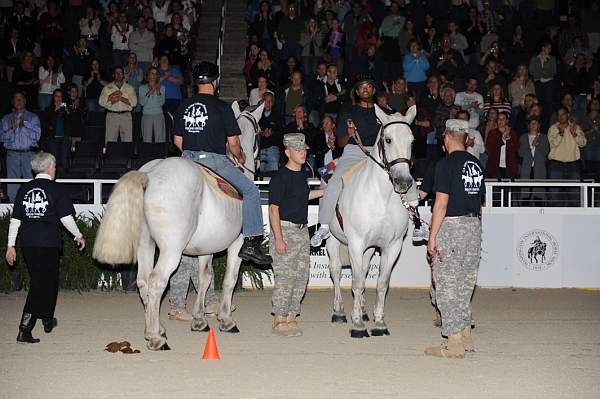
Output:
x=536 y=234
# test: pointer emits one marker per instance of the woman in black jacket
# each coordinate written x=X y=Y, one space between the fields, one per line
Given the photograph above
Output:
x=56 y=129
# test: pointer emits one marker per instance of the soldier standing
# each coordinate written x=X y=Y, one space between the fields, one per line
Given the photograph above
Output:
x=455 y=239
x=288 y=215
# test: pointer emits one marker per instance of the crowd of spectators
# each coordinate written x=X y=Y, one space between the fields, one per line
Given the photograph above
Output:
x=72 y=61
x=523 y=73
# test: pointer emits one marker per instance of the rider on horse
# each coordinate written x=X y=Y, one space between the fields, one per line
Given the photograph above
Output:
x=356 y=131
x=204 y=125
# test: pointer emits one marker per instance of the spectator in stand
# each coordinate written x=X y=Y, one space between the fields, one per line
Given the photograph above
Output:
x=20 y=134
x=271 y=136
x=172 y=79
x=351 y=23
x=390 y=29
x=578 y=81
x=56 y=130
x=300 y=124
x=474 y=142
x=288 y=33
x=324 y=154
x=519 y=88
x=458 y=41
x=492 y=76
x=446 y=110
x=77 y=114
x=119 y=99
x=566 y=138
x=335 y=44
x=415 y=67
x=502 y=146
x=51 y=29
x=264 y=26
x=293 y=96
x=134 y=75
x=518 y=51
x=373 y=64
x=170 y=46
x=94 y=82
x=151 y=27
x=12 y=50
x=543 y=70
x=333 y=93
x=524 y=114
x=183 y=36
x=185 y=22
x=152 y=98
x=251 y=58
x=120 y=41
x=160 y=10
x=141 y=42
x=89 y=28
x=23 y=22
x=533 y=151
x=424 y=126
x=406 y=35
x=51 y=77
x=81 y=59
x=264 y=66
x=497 y=100
x=256 y=94
x=474 y=31
x=285 y=77
x=25 y=79
x=591 y=129
x=472 y=102
x=574 y=114
x=398 y=96
x=311 y=41
x=569 y=34
x=491 y=123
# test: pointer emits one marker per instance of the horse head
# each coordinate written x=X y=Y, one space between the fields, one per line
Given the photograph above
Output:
x=395 y=145
x=247 y=121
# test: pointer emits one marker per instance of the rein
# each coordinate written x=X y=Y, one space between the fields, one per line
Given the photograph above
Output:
x=385 y=165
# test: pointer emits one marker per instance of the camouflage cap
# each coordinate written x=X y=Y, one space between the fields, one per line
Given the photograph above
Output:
x=457 y=125
x=296 y=141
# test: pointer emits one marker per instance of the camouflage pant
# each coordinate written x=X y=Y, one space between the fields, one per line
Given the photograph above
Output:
x=180 y=282
x=290 y=270
x=459 y=245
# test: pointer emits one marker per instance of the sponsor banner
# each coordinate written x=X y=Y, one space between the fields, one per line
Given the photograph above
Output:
x=537 y=250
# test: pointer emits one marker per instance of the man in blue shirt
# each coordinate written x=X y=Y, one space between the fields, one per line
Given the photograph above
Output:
x=20 y=134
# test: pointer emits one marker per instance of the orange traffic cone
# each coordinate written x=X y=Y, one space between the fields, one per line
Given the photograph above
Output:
x=210 y=349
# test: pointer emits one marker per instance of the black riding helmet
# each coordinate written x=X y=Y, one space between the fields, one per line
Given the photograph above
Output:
x=363 y=78
x=205 y=72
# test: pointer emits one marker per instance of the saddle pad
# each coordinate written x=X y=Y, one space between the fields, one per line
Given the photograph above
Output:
x=348 y=175
x=220 y=184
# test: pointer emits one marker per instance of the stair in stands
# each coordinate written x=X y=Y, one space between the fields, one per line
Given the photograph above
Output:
x=233 y=84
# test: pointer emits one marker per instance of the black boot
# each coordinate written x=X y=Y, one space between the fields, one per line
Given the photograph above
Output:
x=49 y=324
x=252 y=252
x=25 y=328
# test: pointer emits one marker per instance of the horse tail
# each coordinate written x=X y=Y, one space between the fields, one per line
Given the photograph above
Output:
x=119 y=232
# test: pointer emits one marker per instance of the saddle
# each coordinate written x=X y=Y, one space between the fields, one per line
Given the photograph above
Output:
x=219 y=183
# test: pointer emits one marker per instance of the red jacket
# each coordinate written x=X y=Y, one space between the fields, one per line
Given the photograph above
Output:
x=493 y=144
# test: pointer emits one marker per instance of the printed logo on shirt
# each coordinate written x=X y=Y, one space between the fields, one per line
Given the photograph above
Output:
x=195 y=117
x=35 y=203
x=472 y=175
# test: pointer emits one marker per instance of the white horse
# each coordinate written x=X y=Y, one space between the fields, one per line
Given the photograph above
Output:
x=373 y=216
x=170 y=204
x=248 y=122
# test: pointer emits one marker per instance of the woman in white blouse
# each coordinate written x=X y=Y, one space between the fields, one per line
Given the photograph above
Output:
x=160 y=11
x=51 y=77
x=120 y=39
x=256 y=94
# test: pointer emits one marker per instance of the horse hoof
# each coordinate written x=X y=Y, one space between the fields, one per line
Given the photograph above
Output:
x=232 y=330
x=164 y=347
x=377 y=332
x=359 y=333
x=205 y=329
x=339 y=319
x=365 y=317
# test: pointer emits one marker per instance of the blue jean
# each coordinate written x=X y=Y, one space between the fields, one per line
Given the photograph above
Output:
x=252 y=220
x=269 y=159
x=18 y=166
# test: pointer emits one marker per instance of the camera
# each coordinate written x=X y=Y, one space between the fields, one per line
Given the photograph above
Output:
x=63 y=105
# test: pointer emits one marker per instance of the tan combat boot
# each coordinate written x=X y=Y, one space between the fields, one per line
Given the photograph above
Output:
x=467 y=339
x=280 y=326
x=453 y=348
x=180 y=315
x=295 y=331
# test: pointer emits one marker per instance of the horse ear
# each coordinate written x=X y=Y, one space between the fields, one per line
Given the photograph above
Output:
x=257 y=113
x=382 y=116
x=410 y=114
x=236 y=109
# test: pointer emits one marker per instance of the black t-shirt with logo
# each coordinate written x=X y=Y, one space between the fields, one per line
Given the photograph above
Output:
x=289 y=190
x=39 y=205
x=366 y=123
x=461 y=177
x=205 y=122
